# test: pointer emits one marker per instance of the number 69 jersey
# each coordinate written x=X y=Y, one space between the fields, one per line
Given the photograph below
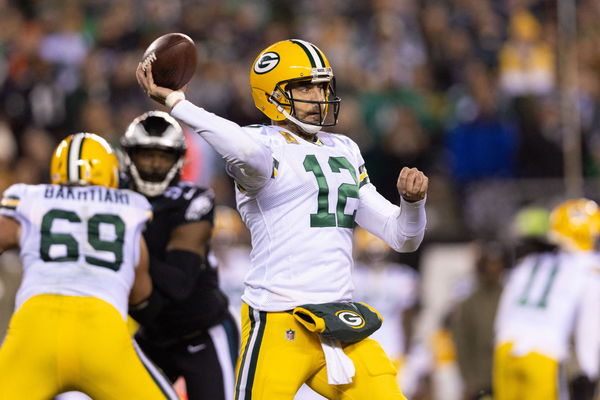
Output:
x=78 y=241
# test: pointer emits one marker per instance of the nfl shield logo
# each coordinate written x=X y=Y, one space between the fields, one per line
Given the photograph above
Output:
x=290 y=335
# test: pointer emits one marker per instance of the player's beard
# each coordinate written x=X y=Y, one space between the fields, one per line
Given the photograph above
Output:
x=313 y=117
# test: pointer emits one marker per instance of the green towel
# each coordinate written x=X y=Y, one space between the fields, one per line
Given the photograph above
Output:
x=347 y=322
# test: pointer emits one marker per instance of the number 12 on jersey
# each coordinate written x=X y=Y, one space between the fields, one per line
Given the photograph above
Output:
x=323 y=218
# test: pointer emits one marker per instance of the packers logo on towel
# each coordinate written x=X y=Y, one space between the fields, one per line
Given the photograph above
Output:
x=351 y=318
x=347 y=322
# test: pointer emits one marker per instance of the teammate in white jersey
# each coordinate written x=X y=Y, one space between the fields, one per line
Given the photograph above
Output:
x=300 y=191
x=392 y=288
x=550 y=298
x=84 y=262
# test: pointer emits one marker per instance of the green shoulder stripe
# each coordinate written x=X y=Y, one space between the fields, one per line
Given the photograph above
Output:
x=10 y=202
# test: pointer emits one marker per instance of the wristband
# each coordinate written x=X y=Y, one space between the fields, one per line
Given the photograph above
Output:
x=173 y=98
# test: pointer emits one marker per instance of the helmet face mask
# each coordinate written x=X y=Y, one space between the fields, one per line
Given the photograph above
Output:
x=148 y=136
x=286 y=63
x=283 y=96
x=84 y=159
x=153 y=164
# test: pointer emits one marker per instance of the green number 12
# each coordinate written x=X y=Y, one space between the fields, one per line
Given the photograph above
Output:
x=323 y=218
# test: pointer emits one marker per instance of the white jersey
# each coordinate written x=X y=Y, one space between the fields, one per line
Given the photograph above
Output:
x=302 y=220
x=300 y=200
x=547 y=298
x=78 y=241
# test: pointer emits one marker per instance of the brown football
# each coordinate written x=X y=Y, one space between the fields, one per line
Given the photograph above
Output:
x=173 y=57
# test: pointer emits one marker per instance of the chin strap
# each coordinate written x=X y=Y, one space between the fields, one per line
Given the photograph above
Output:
x=308 y=128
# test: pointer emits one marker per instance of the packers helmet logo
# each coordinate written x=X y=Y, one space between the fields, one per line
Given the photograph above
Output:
x=266 y=62
x=351 y=318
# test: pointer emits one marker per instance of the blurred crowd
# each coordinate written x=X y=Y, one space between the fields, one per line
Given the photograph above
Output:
x=465 y=90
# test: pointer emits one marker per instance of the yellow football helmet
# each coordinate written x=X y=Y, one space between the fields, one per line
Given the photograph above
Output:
x=575 y=224
x=292 y=61
x=531 y=222
x=367 y=245
x=84 y=159
x=228 y=226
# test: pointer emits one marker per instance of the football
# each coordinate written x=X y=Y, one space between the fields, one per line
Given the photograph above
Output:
x=173 y=57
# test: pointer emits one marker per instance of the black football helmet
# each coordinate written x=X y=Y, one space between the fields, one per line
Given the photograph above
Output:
x=153 y=130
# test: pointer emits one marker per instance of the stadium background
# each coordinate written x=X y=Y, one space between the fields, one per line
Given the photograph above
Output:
x=495 y=100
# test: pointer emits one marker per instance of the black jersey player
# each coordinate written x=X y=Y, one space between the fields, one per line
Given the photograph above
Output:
x=186 y=328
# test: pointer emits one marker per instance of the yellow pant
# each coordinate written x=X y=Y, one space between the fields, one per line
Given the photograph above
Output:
x=532 y=376
x=279 y=355
x=61 y=343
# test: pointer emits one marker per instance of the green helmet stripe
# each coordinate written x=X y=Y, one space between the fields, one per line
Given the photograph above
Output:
x=83 y=137
x=69 y=159
x=319 y=55
x=310 y=52
x=74 y=155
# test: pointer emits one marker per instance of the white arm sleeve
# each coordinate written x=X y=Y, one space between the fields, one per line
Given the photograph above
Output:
x=250 y=162
x=587 y=330
x=402 y=228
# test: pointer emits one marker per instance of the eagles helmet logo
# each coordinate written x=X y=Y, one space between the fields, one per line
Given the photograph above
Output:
x=351 y=318
x=266 y=63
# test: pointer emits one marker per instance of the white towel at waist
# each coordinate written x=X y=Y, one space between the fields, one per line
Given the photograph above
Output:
x=340 y=368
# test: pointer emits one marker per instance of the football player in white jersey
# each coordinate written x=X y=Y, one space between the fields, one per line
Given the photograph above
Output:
x=300 y=191
x=550 y=298
x=84 y=262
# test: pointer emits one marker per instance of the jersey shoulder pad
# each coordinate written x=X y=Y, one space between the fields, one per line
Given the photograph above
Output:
x=188 y=202
x=339 y=139
x=190 y=190
x=17 y=189
x=200 y=206
x=12 y=197
x=184 y=191
x=354 y=149
x=256 y=129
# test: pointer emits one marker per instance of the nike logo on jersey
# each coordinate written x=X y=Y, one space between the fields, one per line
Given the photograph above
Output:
x=195 y=348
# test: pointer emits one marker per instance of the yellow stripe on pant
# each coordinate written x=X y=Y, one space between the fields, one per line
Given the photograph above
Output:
x=279 y=355
x=59 y=343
